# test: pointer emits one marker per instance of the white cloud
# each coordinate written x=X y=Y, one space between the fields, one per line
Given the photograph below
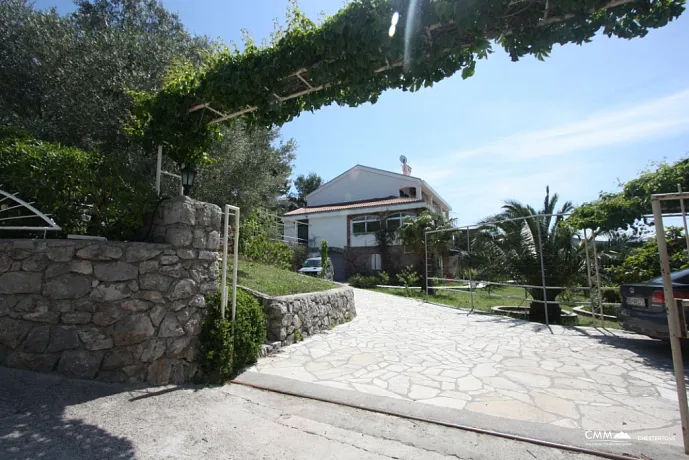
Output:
x=654 y=118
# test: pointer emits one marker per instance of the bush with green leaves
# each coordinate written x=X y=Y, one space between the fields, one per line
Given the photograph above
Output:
x=384 y=277
x=215 y=343
x=408 y=278
x=325 y=260
x=363 y=282
x=643 y=263
x=249 y=330
x=256 y=245
x=218 y=360
x=72 y=184
x=299 y=255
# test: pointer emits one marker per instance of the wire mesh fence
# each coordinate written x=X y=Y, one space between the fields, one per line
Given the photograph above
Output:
x=532 y=265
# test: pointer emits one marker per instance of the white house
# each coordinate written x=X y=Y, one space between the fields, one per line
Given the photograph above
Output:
x=348 y=210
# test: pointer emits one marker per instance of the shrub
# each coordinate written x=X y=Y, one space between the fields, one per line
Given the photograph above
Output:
x=612 y=296
x=215 y=343
x=71 y=184
x=249 y=330
x=324 y=258
x=363 y=282
x=384 y=277
x=299 y=255
x=408 y=277
x=257 y=246
x=218 y=360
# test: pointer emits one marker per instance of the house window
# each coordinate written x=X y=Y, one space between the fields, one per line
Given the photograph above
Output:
x=365 y=224
x=395 y=221
x=376 y=262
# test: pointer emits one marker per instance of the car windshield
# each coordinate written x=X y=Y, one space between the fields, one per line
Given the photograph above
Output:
x=312 y=263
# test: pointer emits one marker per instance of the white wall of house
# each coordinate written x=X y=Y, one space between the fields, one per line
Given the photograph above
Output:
x=360 y=184
x=332 y=228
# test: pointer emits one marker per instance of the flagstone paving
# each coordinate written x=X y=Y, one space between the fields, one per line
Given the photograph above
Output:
x=579 y=378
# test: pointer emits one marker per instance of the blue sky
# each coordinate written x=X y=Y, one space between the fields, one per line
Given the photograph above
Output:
x=580 y=121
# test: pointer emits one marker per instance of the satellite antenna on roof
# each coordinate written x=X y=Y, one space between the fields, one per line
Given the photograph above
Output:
x=406 y=169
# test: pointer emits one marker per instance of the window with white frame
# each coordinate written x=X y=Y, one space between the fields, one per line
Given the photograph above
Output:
x=376 y=262
x=365 y=224
x=395 y=221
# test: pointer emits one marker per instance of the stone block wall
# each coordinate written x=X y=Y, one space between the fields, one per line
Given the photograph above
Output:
x=292 y=317
x=113 y=311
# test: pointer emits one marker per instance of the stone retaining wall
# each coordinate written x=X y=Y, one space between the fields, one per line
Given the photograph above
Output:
x=291 y=318
x=113 y=311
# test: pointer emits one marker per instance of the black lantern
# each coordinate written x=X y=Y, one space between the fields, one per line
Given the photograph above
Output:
x=188 y=176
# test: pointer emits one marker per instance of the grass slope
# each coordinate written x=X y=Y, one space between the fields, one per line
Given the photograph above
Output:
x=275 y=281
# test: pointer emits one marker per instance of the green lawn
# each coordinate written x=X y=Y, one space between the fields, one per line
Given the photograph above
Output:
x=275 y=281
x=484 y=302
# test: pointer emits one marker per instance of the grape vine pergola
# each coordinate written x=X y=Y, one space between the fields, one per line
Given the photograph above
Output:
x=350 y=59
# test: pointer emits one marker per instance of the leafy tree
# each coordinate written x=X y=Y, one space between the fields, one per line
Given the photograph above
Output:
x=65 y=78
x=249 y=169
x=85 y=192
x=626 y=209
x=68 y=79
x=511 y=240
x=305 y=185
x=643 y=263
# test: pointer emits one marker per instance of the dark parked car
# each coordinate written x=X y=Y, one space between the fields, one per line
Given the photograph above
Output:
x=643 y=305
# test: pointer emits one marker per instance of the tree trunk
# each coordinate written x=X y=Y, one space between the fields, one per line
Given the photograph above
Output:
x=537 y=309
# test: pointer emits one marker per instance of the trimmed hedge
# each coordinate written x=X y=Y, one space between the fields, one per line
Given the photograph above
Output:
x=69 y=183
x=218 y=361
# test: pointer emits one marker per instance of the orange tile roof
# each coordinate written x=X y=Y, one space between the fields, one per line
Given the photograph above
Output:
x=353 y=205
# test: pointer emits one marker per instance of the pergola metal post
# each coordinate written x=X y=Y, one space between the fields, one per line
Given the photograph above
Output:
x=471 y=281
x=672 y=319
x=588 y=273
x=540 y=253
x=235 y=251
x=684 y=217
x=425 y=259
x=600 y=297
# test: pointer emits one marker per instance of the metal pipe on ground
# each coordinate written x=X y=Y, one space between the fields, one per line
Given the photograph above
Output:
x=513 y=437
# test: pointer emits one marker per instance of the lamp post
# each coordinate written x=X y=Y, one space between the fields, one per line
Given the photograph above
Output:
x=188 y=176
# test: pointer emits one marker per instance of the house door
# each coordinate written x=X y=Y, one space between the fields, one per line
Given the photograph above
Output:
x=338 y=260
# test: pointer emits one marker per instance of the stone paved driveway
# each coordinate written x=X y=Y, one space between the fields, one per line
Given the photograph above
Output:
x=574 y=378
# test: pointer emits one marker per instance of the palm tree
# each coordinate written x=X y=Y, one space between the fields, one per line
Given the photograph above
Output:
x=511 y=238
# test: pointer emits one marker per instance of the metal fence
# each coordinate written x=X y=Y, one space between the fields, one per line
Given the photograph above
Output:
x=524 y=261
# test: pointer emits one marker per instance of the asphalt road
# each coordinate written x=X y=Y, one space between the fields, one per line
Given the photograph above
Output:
x=50 y=417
